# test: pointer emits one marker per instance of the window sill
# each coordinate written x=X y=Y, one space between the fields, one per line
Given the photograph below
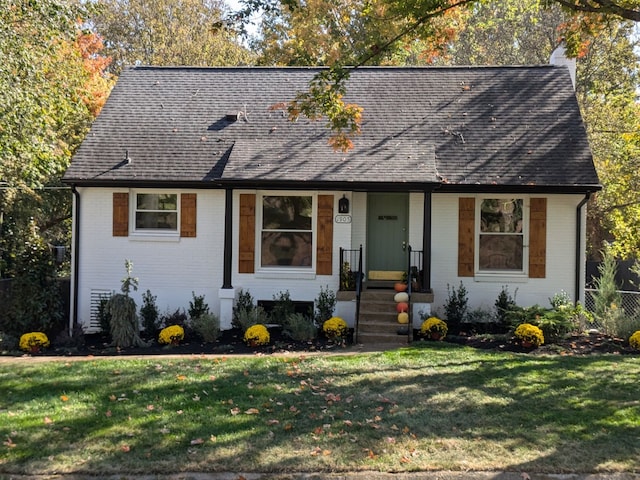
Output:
x=501 y=277
x=154 y=237
x=292 y=274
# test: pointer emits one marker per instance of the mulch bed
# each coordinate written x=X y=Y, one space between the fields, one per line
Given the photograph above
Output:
x=591 y=344
x=231 y=343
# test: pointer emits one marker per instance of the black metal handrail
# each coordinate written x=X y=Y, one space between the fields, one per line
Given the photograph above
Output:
x=359 y=278
x=415 y=273
x=351 y=279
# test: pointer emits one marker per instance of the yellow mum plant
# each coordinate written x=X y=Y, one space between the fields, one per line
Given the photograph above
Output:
x=335 y=328
x=634 y=340
x=171 y=335
x=33 y=342
x=433 y=325
x=257 y=335
x=529 y=333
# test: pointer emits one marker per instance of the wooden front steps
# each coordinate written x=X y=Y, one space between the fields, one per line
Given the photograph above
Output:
x=378 y=324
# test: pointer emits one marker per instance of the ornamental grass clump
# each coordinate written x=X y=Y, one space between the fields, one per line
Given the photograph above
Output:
x=171 y=335
x=335 y=329
x=529 y=334
x=33 y=342
x=257 y=335
x=634 y=340
x=434 y=327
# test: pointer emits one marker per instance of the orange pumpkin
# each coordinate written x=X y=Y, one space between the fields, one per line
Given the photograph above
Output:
x=402 y=307
x=400 y=287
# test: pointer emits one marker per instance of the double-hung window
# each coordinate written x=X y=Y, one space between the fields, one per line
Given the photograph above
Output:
x=156 y=212
x=501 y=235
x=286 y=235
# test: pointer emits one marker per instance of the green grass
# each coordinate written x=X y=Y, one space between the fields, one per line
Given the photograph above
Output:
x=426 y=407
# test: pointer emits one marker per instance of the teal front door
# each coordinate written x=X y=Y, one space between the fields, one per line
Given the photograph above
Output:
x=387 y=234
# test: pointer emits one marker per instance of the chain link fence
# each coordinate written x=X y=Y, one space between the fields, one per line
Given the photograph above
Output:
x=630 y=304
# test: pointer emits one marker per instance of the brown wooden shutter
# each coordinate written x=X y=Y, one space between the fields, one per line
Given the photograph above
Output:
x=188 y=214
x=324 y=237
x=538 y=238
x=466 y=236
x=120 y=214
x=247 y=233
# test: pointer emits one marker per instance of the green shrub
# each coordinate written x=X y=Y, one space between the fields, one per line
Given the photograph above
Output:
x=325 y=305
x=456 y=306
x=299 y=327
x=177 y=317
x=244 y=303
x=197 y=306
x=124 y=327
x=253 y=316
x=282 y=308
x=555 y=324
x=207 y=327
x=504 y=304
x=149 y=314
x=607 y=299
x=8 y=342
x=104 y=317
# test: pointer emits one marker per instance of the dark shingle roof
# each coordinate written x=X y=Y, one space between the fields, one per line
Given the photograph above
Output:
x=506 y=126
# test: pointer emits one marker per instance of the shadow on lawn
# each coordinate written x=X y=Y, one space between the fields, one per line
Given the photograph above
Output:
x=578 y=413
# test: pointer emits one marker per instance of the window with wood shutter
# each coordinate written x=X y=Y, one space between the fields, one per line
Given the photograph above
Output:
x=285 y=231
x=120 y=214
x=156 y=213
x=247 y=233
x=493 y=234
x=324 y=244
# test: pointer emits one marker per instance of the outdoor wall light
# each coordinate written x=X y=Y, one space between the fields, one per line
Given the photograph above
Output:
x=343 y=204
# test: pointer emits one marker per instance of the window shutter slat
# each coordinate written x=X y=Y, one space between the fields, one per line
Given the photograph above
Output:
x=120 y=214
x=247 y=233
x=188 y=214
x=324 y=247
x=538 y=238
x=466 y=235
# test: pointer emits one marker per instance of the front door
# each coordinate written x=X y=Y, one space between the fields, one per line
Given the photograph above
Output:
x=387 y=234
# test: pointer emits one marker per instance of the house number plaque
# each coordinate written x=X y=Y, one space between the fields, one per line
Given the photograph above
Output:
x=343 y=218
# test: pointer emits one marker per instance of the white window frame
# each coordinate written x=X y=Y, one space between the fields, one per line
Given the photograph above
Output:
x=153 y=232
x=300 y=272
x=496 y=274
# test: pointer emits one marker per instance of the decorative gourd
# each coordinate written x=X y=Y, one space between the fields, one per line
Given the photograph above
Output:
x=400 y=287
x=403 y=318
x=402 y=307
x=401 y=297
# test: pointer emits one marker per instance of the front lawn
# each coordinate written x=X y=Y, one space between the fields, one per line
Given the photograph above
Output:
x=434 y=406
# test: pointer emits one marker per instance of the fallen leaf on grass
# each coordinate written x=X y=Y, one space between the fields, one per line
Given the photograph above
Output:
x=319 y=451
x=64 y=398
x=370 y=453
x=47 y=421
x=252 y=411
x=125 y=448
x=9 y=443
x=197 y=441
x=235 y=411
x=273 y=421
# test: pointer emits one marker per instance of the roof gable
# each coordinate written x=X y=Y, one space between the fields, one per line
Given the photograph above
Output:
x=509 y=126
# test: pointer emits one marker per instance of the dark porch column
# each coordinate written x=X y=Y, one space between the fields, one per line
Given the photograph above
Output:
x=426 y=242
x=228 y=238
